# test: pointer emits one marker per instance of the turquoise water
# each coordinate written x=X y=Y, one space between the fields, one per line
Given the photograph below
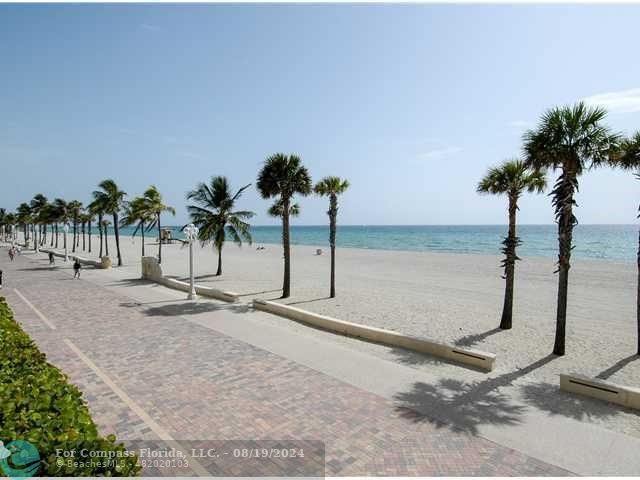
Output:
x=609 y=242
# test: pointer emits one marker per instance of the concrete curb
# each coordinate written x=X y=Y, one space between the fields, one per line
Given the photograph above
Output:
x=590 y=387
x=475 y=358
x=82 y=260
x=152 y=270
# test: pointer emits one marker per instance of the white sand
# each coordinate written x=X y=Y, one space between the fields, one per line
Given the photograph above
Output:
x=454 y=298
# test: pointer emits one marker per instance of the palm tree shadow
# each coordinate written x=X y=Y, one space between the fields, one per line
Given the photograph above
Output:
x=193 y=308
x=465 y=406
x=619 y=365
x=299 y=302
x=550 y=398
x=410 y=357
x=259 y=293
x=473 y=339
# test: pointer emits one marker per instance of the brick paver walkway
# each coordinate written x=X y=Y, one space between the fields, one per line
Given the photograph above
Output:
x=199 y=384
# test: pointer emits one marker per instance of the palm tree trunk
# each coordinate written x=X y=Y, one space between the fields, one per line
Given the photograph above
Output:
x=106 y=240
x=566 y=222
x=75 y=229
x=100 y=232
x=117 y=232
x=159 y=241
x=142 y=233
x=219 y=272
x=333 y=213
x=89 y=222
x=286 y=283
x=56 y=235
x=509 y=266
x=52 y=227
x=83 y=237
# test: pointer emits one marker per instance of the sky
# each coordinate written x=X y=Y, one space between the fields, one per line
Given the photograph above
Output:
x=411 y=103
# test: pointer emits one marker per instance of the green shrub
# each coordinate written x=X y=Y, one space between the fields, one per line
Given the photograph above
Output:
x=38 y=404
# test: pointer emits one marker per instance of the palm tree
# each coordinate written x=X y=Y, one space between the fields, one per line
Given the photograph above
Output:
x=3 y=223
x=629 y=159
x=61 y=214
x=332 y=187
x=38 y=204
x=75 y=210
x=572 y=139
x=97 y=207
x=105 y=229
x=214 y=215
x=23 y=217
x=281 y=177
x=112 y=199
x=155 y=207
x=511 y=178
x=136 y=212
x=10 y=221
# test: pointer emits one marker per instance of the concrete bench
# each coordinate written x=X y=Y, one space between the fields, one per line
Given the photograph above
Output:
x=475 y=358
x=595 y=388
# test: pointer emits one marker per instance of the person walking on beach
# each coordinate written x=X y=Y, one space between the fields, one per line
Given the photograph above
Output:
x=52 y=259
x=76 y=268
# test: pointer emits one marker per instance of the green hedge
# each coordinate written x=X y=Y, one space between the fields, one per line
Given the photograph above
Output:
x=38 y=404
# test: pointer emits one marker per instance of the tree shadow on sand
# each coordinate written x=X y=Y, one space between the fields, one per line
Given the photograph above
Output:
x=474 y=339
x=619 y=365
x=465 y=406
x=550 y=398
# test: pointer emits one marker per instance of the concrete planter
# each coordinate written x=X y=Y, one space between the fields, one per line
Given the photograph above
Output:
x=105 y=262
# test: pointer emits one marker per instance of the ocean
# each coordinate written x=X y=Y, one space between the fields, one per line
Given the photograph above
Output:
x=608 y=242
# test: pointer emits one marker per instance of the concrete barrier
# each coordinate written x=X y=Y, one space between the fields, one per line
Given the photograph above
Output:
x=595 y=388
x=104 y=263
x=475 y=358
x=152 y=270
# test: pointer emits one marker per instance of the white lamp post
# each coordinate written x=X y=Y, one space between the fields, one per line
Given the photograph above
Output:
x=66 y=230
x=191 y=232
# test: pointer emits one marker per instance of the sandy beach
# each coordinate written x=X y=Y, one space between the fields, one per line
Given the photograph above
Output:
x=453 y=298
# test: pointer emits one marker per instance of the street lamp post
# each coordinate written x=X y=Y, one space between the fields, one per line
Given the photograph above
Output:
x=191 y=232
x=66 y=230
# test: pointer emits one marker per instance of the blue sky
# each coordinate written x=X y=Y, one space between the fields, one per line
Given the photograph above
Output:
x=412 y=103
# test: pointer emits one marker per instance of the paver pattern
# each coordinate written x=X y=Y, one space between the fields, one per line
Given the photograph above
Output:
x=200 y=384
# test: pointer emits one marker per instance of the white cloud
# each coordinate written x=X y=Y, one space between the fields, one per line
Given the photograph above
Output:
x=625 y=101
x=439 y=153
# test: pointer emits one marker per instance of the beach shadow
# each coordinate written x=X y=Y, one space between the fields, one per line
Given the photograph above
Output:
x=619 y=365
x=37 y=269
x=465 y=406
x=412 y=358
x=193 y=308
x=259 y=293
x=473 y=339
x=132 y=282
x=300 y=302
x=551 y=399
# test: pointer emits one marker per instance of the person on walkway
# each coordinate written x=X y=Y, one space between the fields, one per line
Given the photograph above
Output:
x=76 y=268
x=11 y=254
x=52 y=259
x=0 y=279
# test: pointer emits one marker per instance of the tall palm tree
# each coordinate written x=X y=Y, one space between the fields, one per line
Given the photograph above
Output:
x=215 y=216
x=332 y=187
x=572 y=139
x=281 y=177
x=75 y=210
x=136 y=213
x=112 y=199
x=511 y=178
x=629 y=159
x=105 y=231
x=3 y=223
x=97 y=208
x=155 y=207
x=61 y=214
x=38 y=204
x=23 y=216
x=10 y=221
